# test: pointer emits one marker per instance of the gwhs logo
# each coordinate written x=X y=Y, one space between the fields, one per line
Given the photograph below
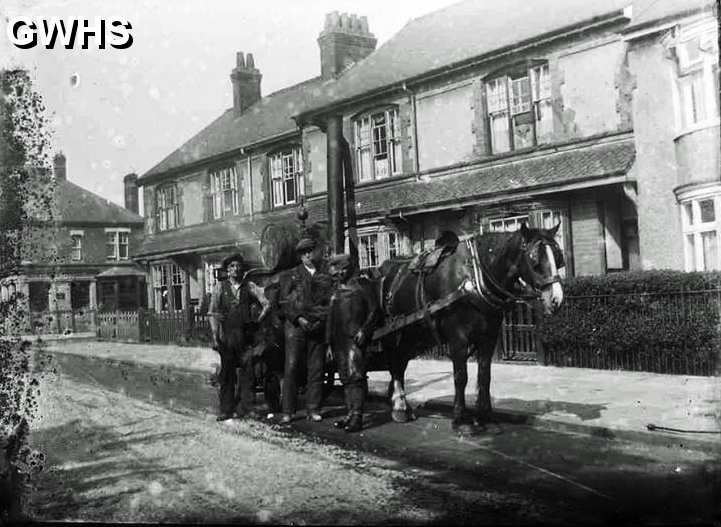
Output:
x=26 y=32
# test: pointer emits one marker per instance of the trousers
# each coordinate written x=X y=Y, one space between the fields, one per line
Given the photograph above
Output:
x=350 y=361
x=236 y=379
x=297 y=343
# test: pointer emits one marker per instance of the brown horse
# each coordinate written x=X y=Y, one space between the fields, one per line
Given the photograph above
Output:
x=465 y=286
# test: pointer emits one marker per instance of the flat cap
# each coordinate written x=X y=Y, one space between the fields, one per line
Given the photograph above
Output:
x=305 y=244
x=236 y=257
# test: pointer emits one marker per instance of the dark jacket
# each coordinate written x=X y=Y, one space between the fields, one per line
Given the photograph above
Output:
x=353 y=307
x=303 y=295
x=231 y=310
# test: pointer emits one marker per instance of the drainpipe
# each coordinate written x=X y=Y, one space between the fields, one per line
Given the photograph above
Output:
x=414 y=123
x=334 y=167
x=250 y=184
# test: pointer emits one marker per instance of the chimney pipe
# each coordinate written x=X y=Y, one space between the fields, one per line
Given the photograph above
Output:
x=130 y=182
x=345 y=40
x=60 y=167
x=246 y=82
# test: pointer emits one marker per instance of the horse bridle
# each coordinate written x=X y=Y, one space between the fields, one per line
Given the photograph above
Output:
x=501 y=297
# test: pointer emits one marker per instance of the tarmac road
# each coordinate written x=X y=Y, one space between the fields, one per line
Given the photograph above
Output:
x=120 y=450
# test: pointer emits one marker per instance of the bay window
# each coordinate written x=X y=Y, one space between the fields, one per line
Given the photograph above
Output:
x=701 y=232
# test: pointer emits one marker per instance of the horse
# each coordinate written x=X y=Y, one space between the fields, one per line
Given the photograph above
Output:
x=472 y=283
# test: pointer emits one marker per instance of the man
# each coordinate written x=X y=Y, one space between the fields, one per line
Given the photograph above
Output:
x=229 y=313
x=354 y=311
x=304 y=296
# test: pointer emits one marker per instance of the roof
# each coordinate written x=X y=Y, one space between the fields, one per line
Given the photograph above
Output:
x=268 y=118
x=131 y=269
x=646 y=12
x=457 y=33
x=78 y=205
x=233 y=231
x=552 y=170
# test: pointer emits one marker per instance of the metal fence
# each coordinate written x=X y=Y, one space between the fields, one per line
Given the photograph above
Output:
x=677 y=317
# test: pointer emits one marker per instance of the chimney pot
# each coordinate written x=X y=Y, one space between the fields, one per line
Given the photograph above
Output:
x=246 y=82
x=345 y=39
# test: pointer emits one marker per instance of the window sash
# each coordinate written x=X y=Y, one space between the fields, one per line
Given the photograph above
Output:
x=224 y=192
x=701 y=238
x=77 y=247
x=378 y=145
x=376 y=247
x=111 y=245
x=287 y=182
x=519 y=109
x=167 y=207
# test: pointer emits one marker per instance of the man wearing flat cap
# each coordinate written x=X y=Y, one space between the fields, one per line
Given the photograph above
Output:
x=353 y=314
x=304 y=296
x=229 y=313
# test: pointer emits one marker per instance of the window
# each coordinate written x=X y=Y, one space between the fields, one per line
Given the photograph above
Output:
x=286 y=169
x=542 y=219
x=695 y=49
x=79 y=295
x=224 y=192
x=168 y=285
x=76 y=246
x=376 y=247
x=116 y=244
x=702 y=230
x=378 y=145
x=38 y=292
x=211 y=275
x=167 y=210
x=519 y=109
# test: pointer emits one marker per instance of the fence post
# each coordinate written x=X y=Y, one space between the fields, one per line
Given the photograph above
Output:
x=57 y=321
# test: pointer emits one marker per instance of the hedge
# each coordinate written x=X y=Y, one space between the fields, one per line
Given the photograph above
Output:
x=660 y=321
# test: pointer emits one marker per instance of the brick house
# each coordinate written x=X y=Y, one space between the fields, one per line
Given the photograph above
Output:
x=93 y=241
x=477 y=117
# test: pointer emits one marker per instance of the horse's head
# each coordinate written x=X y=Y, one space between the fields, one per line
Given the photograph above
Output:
x=540 y=257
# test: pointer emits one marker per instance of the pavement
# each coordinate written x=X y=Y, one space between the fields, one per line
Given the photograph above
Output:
x=636 y=406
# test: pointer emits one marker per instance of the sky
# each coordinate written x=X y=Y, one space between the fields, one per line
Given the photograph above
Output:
x=119 y=111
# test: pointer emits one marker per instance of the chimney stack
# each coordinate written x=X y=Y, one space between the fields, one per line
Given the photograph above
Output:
x=345 y=39
x=60 y=167
x=246 y=83
x=130 y=182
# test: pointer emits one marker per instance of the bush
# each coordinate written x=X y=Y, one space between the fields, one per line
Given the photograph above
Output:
x=663 y=321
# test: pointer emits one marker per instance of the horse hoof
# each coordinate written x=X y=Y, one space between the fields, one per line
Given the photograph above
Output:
x=468 y=429
x=399 y=416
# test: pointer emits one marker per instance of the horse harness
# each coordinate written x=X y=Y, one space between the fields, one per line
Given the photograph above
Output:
x=481 y=289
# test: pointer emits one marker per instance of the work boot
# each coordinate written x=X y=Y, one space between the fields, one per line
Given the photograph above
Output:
x=355 y=423
x=315 y=417
x=341 y=423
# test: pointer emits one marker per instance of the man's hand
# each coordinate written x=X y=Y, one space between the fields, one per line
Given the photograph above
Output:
x=328 y=354
x=303 y=323
x=216 y=342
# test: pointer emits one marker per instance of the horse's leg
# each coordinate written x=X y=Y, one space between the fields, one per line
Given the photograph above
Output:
x=484 y=407
x=401 y=411
x=460 y=379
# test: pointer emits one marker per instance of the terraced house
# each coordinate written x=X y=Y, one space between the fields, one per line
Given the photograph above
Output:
x=599 y=115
